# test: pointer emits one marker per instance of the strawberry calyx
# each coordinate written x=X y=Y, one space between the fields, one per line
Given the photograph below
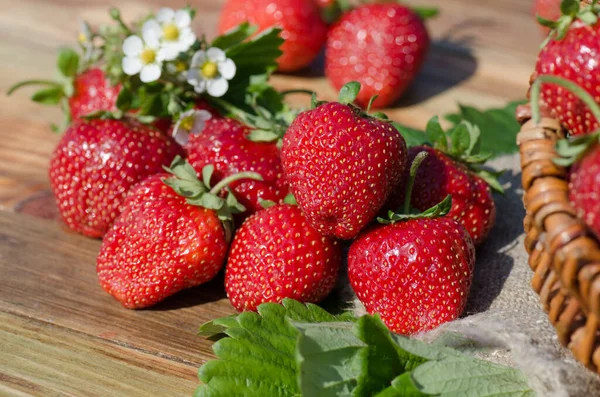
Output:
x=265 y=112
x=462 y=143
x=198 y=192
x=571 y=150
x=347 y=96
x=289 y=199
x=572 y=10
x=408 y=212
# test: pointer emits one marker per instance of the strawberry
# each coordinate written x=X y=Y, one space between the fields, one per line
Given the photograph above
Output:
x=276 y=254
x=96 y=162
x=584 y=188
x=454 y=171
x=342 y=164
x=172 y=234
x=572 y=53
x=224 y=143
x=415 y=271
x=382 y=46
x=582 y=153
x=92 y=91
x=303 y=30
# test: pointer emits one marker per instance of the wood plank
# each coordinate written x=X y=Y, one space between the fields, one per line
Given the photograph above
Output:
x=42 y=359
x=48 y=273
x=483 y=53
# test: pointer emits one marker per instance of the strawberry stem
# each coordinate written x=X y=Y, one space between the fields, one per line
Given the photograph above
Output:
x=32 y=82
x=568 y=85
x=414 y=167
x=232 y=178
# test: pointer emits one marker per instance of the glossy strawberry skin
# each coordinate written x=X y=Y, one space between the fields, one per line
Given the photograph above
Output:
x=158 y=246
x=96 y=162
x=224 y=143
x=341 y=167
x=92 y=92
x=276 y=254
x=303 y=30
x=416 y=274
x=382 y=46
x=438 y=176
x=577 y=58
x=584 y=188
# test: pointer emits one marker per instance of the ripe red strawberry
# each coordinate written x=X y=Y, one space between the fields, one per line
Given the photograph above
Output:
x=415 y=274
x=439 y=175
x=415 y=270
x=166 y=239
x=276 y=254
x=224 y=143
x=572 y=54
x=303 y=30
x=342 y=165
x=91 y=92
x=95 y=164
x=584 y=188
x=382 y=46
x=453 y=167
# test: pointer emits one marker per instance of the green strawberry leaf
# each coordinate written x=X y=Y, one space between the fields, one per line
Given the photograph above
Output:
x=466 y=376
x=412 y=137
x=255 y=57
x=234 y=36
x=498 y=127
x=258 y=357
x=294 y=349
x=68 y=62
x=349 y=359
x=349 y=92
x=48 y=96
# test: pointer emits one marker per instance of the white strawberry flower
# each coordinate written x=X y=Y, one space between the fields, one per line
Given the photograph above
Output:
x=143 y=55
x=210 y=71
x=174 y=31
x=190 y=122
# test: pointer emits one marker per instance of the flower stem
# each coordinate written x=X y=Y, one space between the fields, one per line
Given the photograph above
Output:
x=232 y=178
x=115 y=14
x=568 y=85
x=414 y=167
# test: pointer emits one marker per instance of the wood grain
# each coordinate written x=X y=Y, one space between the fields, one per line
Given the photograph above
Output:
x=60 y=334
x=50 y=274
x=42 y=359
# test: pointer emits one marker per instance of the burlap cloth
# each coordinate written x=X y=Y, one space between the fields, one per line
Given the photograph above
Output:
x=504 y=312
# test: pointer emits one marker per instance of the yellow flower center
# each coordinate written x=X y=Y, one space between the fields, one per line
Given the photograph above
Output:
x=209 y=70
x=170 y=32
x=187 y=123
x=180 y=66
x=82 y=38
x=148 y=56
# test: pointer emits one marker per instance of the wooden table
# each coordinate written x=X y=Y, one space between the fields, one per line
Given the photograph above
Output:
x=60 y=334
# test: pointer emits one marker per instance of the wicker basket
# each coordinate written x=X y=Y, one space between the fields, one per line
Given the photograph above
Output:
x=563 y=252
